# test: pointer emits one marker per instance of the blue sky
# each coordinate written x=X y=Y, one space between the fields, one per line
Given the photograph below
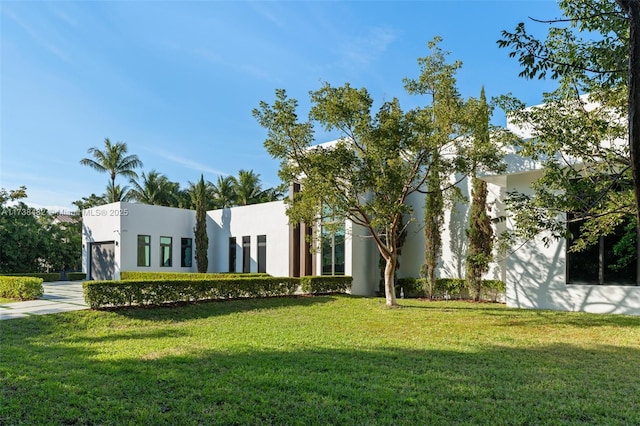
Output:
x=177 y=81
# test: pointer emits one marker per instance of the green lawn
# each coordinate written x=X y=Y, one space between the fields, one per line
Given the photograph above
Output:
x=322 y=360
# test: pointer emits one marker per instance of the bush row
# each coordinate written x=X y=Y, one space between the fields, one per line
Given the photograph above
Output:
x=454 y=287
x=20 y=288
x=76 y=276
x=46 y=277
x=148 y=275
x=50 y=276
x=102 y=294
x=325 y=284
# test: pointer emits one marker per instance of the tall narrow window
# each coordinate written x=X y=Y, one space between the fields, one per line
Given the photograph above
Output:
x=232 y=254
x=246 y=254
x=262 y=253
x=186 y=252
x=165 y=251
x=144 y=250
x=333 y=248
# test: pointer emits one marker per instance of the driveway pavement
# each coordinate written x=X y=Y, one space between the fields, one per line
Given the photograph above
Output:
x=58 y=296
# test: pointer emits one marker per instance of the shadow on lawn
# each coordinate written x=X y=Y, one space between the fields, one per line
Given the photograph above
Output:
x=210 y=308
x=554 y=384
x=519 y=317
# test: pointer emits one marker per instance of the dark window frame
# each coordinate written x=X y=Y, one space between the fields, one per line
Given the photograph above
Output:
x=186 y=259
x=262 y=253
x=246 y=254
x=233 y=249
x=146 y=258
x=166 y=248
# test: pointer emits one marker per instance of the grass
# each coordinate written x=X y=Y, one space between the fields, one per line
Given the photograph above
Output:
x=321 y=360
x=7 y=300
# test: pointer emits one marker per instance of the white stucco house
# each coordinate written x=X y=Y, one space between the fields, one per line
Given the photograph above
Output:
x=258 y=238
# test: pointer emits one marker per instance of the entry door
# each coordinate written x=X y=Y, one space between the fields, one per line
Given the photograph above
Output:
x=103 y=260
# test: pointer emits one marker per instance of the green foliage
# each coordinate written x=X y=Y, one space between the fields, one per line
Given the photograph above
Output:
x=76 y=276
x=147 y=275
x=101 y=294
x=114 y=161
x=480 y=234
x=31 y=240
x=20 y=288
x=155 y=189
x=325 y=284
x=328 y=360
x=44 y=276
x=578 y=138
x=455 y=288
x=380 y=158
x=200 y=230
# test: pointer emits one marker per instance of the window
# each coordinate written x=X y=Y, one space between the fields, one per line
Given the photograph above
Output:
x=232 y=254
x=186 y=252
x=246 y=254
x=262 y=253
x=600 y=264
x=144 y=250
x=165 y=251
x=333 y=250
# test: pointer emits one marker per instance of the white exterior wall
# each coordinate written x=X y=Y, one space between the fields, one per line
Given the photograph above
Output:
x=101 y=224
x=123 y=222
x=361 y=260
x=536 y=277
x=156 y=221
x=268 y=219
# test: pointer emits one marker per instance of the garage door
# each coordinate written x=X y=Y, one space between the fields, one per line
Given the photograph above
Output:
x=102 y=260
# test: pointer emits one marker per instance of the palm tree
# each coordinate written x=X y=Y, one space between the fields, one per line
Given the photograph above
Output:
x=192 y=195
x=113 y=160
x=155 y=188
x=224 y=192
x=247 y=187
x=117 y=193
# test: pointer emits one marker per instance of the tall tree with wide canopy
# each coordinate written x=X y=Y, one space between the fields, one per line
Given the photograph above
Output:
x=587 y=135
x=113 y=159
x=367 y=175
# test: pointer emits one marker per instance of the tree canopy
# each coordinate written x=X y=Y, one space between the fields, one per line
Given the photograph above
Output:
x=379 y=159
x=581 y=135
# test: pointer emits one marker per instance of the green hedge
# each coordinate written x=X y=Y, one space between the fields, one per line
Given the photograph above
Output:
x=147 y=275
x=101 y=294
x=21 y=288
x=46 y=277
x=455 y=288
x=76 y=276
x=325 y=284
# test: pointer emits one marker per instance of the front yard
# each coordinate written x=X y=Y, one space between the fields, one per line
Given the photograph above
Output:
x=320 y=360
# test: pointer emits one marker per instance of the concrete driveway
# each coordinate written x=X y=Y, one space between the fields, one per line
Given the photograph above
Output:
x=58 y=296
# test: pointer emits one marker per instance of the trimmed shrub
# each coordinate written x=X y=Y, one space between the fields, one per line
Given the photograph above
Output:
x=76 y=276
x=324 y=284
x=45 y=276
x=410 y=287
x=101 y=294
x=456 y=288
x=146 y=275
x=20 y=288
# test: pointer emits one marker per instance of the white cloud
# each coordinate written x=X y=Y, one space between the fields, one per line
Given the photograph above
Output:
x=190 y=164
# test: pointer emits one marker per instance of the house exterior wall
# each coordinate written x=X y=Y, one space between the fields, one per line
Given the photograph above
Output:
x=361 y=260
x=101 y=224
x=536 y=276
x=268 y=219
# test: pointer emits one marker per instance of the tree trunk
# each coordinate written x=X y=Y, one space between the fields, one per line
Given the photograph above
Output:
x=389 y=279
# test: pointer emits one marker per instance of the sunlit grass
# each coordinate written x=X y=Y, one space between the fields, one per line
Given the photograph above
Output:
x=323 y=360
